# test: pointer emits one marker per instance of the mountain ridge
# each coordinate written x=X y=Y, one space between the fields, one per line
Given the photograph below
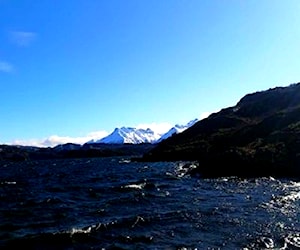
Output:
x=130 y=135
x=259 y=136
x=133 y=135
x=129 y=141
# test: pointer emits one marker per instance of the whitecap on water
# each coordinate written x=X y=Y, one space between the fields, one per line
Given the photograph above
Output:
x=9 y=182
x=135 y=186
x=138 y=219
x=124 y=161
x=80 y=230
x=293 y=190
x=292 y=241
x=286 y=202
x=267 y=242
x=183 y=168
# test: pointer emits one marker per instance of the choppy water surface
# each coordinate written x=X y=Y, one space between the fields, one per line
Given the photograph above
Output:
x=108 y=203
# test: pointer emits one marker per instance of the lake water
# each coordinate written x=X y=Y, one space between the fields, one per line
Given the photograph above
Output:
x=110 y=203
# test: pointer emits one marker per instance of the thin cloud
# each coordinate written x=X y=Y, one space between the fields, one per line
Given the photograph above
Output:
x=158 y=128
x=23 y=38
x=6 y=67
x=205 y=115
x=55 y=140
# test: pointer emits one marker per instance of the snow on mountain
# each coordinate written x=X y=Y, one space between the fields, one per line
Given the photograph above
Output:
x=137 y=136
x=177 y=129
x=191 y=123
x=130 y=135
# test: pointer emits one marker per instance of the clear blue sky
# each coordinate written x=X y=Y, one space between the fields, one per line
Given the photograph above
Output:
x=73 y=68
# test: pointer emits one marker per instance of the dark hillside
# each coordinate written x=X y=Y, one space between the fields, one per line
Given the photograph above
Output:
x=257 y=137
x=69 y=150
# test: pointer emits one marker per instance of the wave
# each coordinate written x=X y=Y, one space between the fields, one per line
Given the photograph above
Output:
x=123 y=232
x=286 y=242
x=105 y=204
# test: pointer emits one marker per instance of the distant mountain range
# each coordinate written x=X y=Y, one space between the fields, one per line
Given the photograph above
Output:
x=130 y=135
x=121 y=142
x=259 y=136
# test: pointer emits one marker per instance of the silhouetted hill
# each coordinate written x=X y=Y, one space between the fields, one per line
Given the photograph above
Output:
x=69 y=150
x=260 y=136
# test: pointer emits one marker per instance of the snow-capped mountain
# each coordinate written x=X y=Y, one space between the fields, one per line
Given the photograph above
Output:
x=130 y=135
x=177 y=129
x=137 y=136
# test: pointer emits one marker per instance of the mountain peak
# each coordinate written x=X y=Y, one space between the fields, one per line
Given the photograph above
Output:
x=177 y=129
x=139 y=135
x=130 y=135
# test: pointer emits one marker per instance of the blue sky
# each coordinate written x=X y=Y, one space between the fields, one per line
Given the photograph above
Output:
x=73 y=70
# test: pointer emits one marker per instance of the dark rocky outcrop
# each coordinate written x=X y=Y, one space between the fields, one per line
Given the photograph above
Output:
x=260 y=136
